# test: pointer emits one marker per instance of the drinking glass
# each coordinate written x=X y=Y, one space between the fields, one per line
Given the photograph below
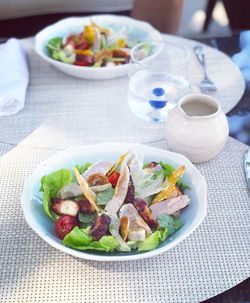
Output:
x=158 y=79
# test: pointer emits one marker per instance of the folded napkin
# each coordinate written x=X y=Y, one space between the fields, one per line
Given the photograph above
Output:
x=14 y=77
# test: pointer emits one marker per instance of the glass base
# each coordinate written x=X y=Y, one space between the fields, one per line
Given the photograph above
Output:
x=144 y=111
x=140 y=90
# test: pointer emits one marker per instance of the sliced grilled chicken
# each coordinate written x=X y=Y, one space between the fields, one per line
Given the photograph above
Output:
x=100 y=227
x=98 y=182
x=69 y=191
x=65 y=207
x=144 y=211
x=169 y=206
x=97 y=179
x=135 y=220
x=114 y=230
x=86 y=207
x=102 y=167
x=121 y=190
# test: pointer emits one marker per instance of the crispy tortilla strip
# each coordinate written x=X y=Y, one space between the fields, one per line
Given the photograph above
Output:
x=124 y=227
x=172 y=179
x=87 y=191
x=176 y=174
x=119 y=162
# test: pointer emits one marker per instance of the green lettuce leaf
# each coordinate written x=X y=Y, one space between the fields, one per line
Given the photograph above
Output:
x=63 y=56
x=54 y=44
x=103 y=41
x=107 y=243
x=86 y=219
x=153 y=240
x=149 y=243
x=168 y=226
x=103 y=197
x=163 y=234
x=83 y=168
x=167 y=170
x=182 y=185
x=79 y=239
x=97 y=64
x=172 y=224
x=50 y=185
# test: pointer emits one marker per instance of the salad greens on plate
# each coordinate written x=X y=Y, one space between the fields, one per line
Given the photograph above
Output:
x=123 y=206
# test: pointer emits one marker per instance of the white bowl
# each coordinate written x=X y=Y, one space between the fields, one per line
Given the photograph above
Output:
x=142 y=31
x=34 y=214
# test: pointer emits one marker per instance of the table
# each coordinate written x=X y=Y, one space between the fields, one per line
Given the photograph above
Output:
x=33 y=271
x=239 y=125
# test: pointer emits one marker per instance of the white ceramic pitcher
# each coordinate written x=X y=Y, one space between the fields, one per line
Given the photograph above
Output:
x=197 y=128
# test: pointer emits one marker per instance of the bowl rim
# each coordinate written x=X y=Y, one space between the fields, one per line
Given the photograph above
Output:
x=106 y=146
x=39 y=40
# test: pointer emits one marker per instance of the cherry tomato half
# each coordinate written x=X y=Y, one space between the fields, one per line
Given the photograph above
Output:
x=113 y=178
x=81 y=63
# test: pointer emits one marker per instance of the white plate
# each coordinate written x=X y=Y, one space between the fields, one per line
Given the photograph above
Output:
x=139 y=30
x=34 y=214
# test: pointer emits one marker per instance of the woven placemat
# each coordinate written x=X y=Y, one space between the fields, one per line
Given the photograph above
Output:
x=211 y=260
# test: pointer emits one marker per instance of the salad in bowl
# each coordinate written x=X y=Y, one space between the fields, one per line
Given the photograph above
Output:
x=107 y=206
x=95 y=47
x=114 y=201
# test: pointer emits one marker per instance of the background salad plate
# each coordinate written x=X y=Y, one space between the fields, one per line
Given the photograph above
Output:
x=35 y=216
x=134 y=29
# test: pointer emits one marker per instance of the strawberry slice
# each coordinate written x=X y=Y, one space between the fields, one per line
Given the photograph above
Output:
x=64 y=225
